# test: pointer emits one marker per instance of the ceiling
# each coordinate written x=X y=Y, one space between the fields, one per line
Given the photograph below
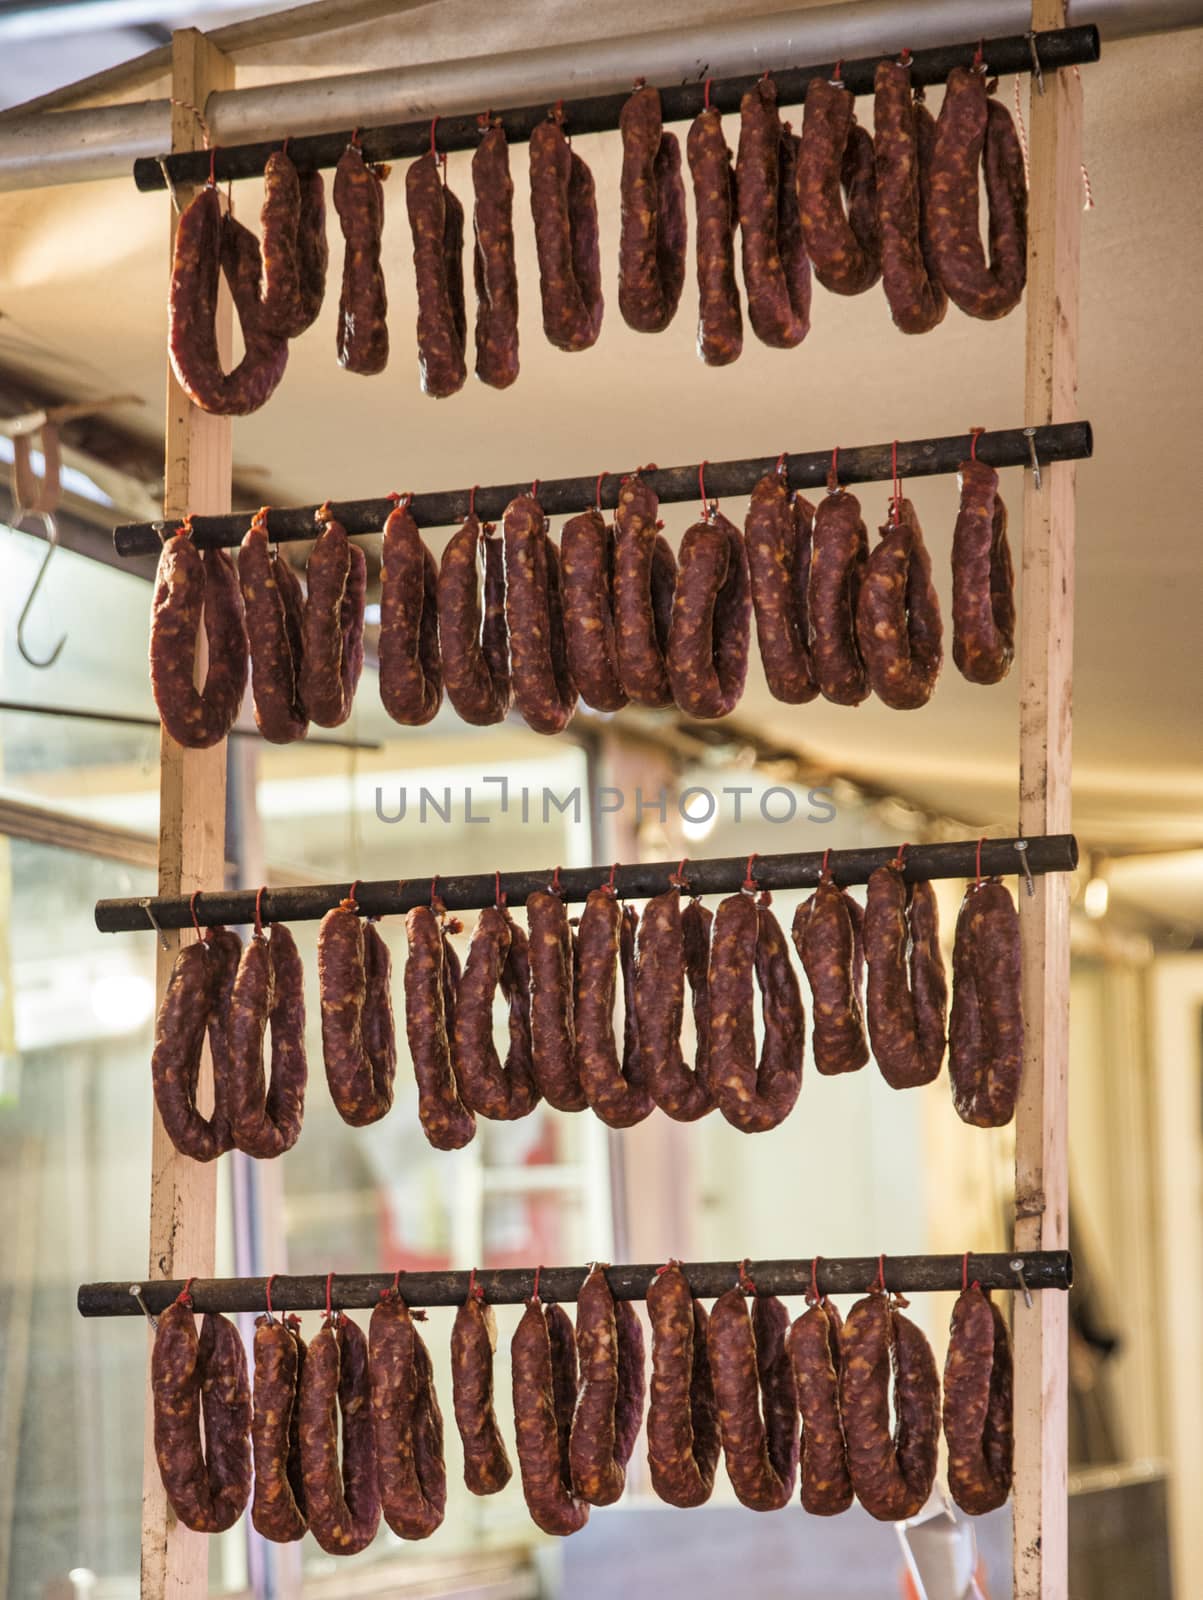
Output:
x=82 y=287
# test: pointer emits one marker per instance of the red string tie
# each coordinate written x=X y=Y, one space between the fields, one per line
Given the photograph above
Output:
x=184 y=1298
x=678 y=878
x=475 y=1290
x=534 y=489
x=329 y=1287
x=597 y=489
x=556 y=886
x=978 y=863
x=193 y=898
x=271 y=1279
x=825 y=867
x=708 y=507
x=435 y=902
x=964 y=1272
x=671 y=1262
x=498 y=893
x=782 y=467
x=974 y=435
x=896 y=500
x=815 y=1296
x=351 y=902
x=833 y=472
x=472 y=499
x=609 y=885
x=434 y=122
x=213 y=167
x=259 y=911
x=535 y=1291
x=706 y=106
x=879 y=1286
x=749 y=882
x=746 y=1282
x=902 y=850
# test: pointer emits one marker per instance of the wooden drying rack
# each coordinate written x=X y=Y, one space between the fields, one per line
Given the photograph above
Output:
x=192 y=815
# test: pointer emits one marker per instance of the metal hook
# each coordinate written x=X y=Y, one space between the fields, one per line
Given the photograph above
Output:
x=1037 y=70
x=1017 y=1269
x=1030 y=436
x=136 y=1290
x=1022 y=846
x=153 y=920
x=51 y=530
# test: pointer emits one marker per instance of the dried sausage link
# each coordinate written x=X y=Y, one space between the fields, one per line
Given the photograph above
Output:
x=552 y=990
x=411 y=672
x=543 y=1418
x=609 y=1405
x=615 y=1090
x=709 y=639
x=907 y=990
x=196 y=1002
x=916 y=299
x=268 y=995
x=645 y=573
x=892 y=1474
x=293 y=223
x=446 y=1121
x=899 y=630
x=543 y=686
x=682 y=1416
x=716 y=208
x=564 y=208
x=777 y=535
x=473 y=1340
x=407 y=1424
x=191 y=1378
x=662 y=960
x=494 y=270
x=983 y=580
x=756 y=1397
x=839 y=554
x=828 y=933
x=837 y=155
x=747 y=941
x=496 y=956
x=652 y=240
x=816 y=1357
x=278 y=1507
x=191 y=586
x=791 y=241
x=587 y=578
x=436 y=220
x=972 y=129
x=273 y=609
x=363 y=303
x=475 y=655
x=978 y=1383
x=985 y=1030
x=332 y=639
x=777 y=318
x=358 y=1036
x=343 y=1502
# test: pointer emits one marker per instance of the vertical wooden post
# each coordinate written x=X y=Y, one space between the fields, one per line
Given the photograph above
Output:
x=192 y=797
x=1046 y=676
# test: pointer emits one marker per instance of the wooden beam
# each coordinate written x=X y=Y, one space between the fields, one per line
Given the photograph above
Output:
x=192 y=790
x=1046 y=676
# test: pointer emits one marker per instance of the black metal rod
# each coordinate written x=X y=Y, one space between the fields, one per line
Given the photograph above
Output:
x=1060 y=47
x=1054 y=852
x=1041 y=1269
x=873 y=463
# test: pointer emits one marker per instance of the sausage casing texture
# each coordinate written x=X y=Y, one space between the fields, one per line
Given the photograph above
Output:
x=273 y=609
x=660 y=972
x=983 y=580
x=747 y=944
x=828 y=934
x=494 y=270
x=293 y=225
x=552 y=990
x=907 y=993
x=587 y=580
x=446 y=1121
x=411 y=671
x=195 y=1003
x=775 y=317
x=191 y=1377
x=891 y=1473
x=816 y=1357
x=973 y=128
x=363 y=303
x=708 y=642
x=615 y=1088
x=756 y=1396
x=609 y=1406
x=436 y=220
x=839 y=553
x=645 y=573
x=564 y=208
x=543 y=686
x=683 y=1442
x=268 y=996
x=716 y=209
x=343 y=1502
x=473 y=1340
x=358 y=1037
x=278 y=1507
x=836 y=157
x=777 y=537
x=899 y=630
x=978 y=1384
x=543 y=1420
x=985 y=1030
x=332 y=636
x=191 y=587
x=916 y=298
x=475 y=652
x=497 y=956
x=208 y=245
x=652 y=240
x=407 y=1424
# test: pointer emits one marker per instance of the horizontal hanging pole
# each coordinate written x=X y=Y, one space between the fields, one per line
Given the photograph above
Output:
x=1035 y=1270
x=1055 y=852
x=1057 y=48
x=917 y=458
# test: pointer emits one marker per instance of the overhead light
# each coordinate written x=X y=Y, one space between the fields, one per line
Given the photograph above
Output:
x=1097 y=895
x=122 y=1002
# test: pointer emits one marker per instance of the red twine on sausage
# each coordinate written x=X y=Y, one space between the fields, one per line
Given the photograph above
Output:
x=271 y=1279
x=833 y=479
x=897 y=495
x=556 y=886
x=702 y=486
x=706 y=106
x=964 y=1272
x=978 y=864
x=184 y=1298
x=475 y=1290
x=902 y=850
x=434 y=122
x=609 y=886
x=329 y=1287
x=597 y=489
x=259 y=911
x=351 y=901
x=355 y=138
x=535 y=1291
x=974 y=435
x=979 y=56
x=825 y=867
x=498 y=892
x=534 y=489
x=671 y=1262
x=192 y=899
x=472 y=499
x=749 y=882
x=678 y=879
x=904 y=58
x=814 y=1296
x=879 y=1286
x=403 y=500
x=746 y=1282
x=782 y=469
